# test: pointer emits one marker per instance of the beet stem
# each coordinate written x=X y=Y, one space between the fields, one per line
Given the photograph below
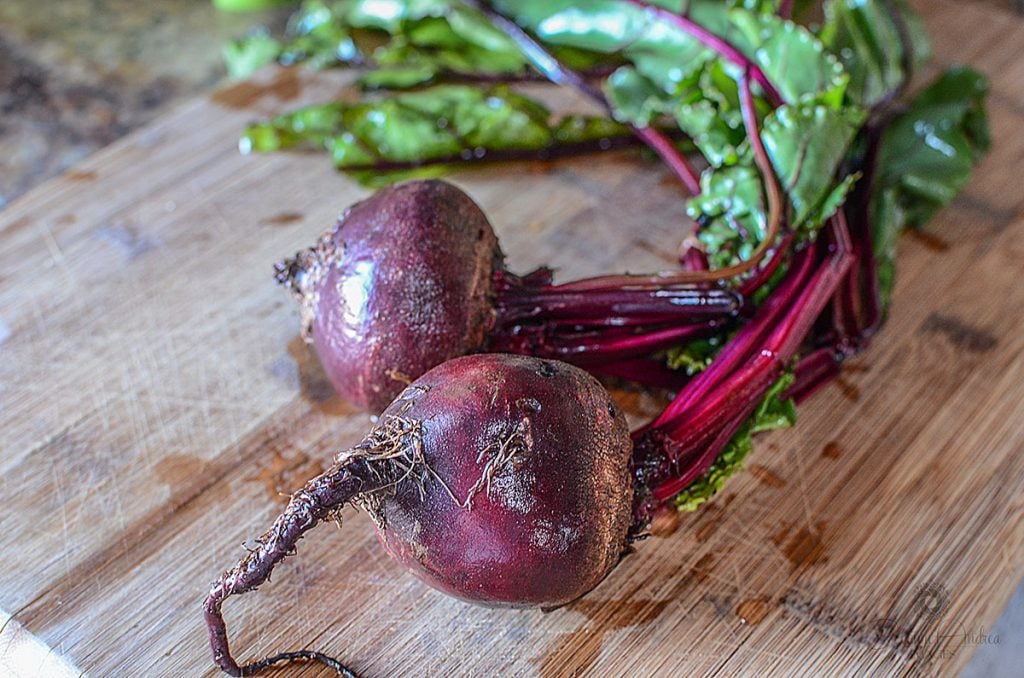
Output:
x=704 y=458
x=745 y=342
x=595 y=348
x=321 y=497
x=647 y=371
x=693 y=257
x=600 y=325
x=814 y=371
x=517 y=303
x=765 y=273
x=682 y=444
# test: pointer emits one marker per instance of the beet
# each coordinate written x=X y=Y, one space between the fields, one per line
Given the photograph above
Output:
x=403 y=283
x=414 y=276
x=536 y=455
x=500 y=479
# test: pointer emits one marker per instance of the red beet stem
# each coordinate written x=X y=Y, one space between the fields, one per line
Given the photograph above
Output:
x=318 y=499
x=670 y=155
x=602 y=325
x=650 y=372
x=689 y=436
x=516 y=303
x=748 y=338
x=765 y=273
x=596 y=348
x=693 y=257
x=814 y=371
x=700 y=462
x=746 y=342
x=747 y=386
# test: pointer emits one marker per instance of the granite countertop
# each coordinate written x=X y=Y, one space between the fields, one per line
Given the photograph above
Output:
x=76 y=75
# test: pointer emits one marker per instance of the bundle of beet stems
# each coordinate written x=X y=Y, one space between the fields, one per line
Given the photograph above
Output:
x=512 y=479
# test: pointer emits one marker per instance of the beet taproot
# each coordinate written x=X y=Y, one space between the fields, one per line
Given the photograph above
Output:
x=511 y=480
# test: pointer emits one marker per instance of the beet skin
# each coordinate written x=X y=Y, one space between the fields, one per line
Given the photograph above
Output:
x=403 y=283
x=523 y=495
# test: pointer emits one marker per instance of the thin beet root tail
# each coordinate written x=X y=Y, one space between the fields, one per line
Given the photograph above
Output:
x=320 y=498
x=297 y=656
x=384 y=457
x=302 y=274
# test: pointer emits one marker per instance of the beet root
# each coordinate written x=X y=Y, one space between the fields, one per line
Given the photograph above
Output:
x=531 y=496
x=402 y=283
x=500 y=479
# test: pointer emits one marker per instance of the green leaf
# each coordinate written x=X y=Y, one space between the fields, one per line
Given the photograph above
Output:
x=925 y=159
x=443 y=52
x=888 y=219
x=806 y=144
x=833 y=200
x=791 y=55
x=318 y=37
x=794 y=59
x=245 y=56
x=718 y=135
x=706 y=108
x=634 y=98
x=761 y=6
x=774 y=412
x=695 y=356
x=929 y=150
x=398 y=77
x=387 y=15
x=248 y=5
x=443 y=126
x=865 y=37
x=422 y=40
x=731 y=204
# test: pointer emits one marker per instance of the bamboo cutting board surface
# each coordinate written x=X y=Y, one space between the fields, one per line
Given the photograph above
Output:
x=156 y=406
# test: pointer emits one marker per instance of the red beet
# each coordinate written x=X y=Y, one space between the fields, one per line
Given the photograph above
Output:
x=403 y=283
x=500 y=479
x=536 y=456
x=414 y=276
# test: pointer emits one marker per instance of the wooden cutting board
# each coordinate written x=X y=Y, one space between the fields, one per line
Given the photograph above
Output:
x=156 y=405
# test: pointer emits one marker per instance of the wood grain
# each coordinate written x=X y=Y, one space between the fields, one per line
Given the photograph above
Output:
x=155 y=402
